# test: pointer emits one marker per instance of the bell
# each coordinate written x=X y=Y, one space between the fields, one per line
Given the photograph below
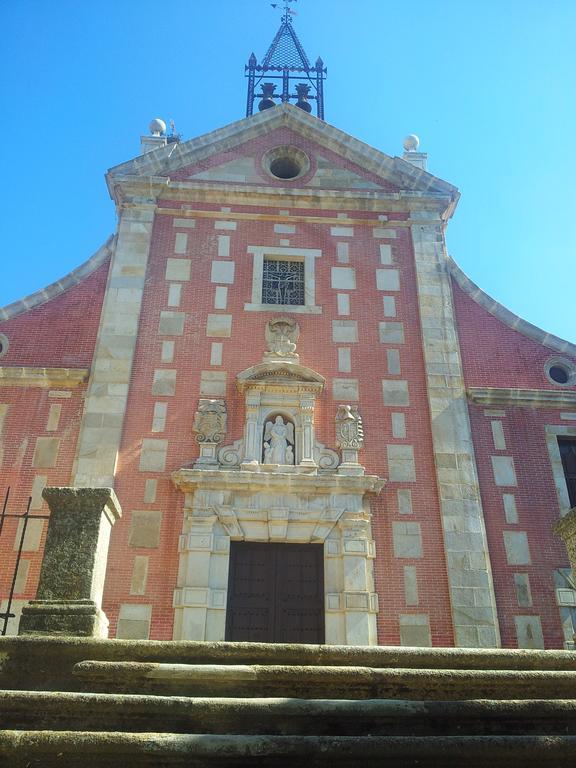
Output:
x=267 y=93
x=302 y=91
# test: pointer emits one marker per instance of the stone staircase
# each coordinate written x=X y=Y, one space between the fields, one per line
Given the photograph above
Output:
x=84 y=702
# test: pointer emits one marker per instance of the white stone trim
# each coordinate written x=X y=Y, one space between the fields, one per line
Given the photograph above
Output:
x=306 y=255
x=221 y=506
x=522 y=398
x=465 y=540
x=553 y=432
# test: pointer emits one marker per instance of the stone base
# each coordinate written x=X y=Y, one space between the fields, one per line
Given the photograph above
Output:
x=76 y=618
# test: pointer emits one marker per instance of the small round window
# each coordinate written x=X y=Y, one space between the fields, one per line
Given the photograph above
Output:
x=561 y=371
x=3 y=345
x=286 y=163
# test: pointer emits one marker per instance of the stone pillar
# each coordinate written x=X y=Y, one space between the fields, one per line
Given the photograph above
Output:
x=307 y=418
x=253 y=432
x=69 y=597
x=200 y=597
x=359 y=600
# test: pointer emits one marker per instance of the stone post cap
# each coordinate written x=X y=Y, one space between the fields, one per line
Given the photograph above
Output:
x=566 y=526
x=71 y=499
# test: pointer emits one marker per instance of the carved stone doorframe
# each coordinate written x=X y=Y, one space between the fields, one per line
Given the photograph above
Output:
x=223 y=505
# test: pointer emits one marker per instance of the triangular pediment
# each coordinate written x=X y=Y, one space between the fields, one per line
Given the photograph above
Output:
x=233 y=155
x=282 y=373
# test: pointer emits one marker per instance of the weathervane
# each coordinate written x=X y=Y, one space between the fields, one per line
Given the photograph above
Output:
x=286 y=60
x=288 y=12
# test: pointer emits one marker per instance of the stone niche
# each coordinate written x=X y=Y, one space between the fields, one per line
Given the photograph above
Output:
x=277 y=484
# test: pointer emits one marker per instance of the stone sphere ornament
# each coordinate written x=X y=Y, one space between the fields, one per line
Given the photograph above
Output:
x=411 y=142
x=157 y=127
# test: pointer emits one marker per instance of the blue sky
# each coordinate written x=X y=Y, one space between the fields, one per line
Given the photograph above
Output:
x=488 y=86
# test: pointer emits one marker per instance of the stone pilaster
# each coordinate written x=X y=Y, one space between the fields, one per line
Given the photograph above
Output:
x=474 y=613
x=69 y=596
x=566 y=529
x=103 y=418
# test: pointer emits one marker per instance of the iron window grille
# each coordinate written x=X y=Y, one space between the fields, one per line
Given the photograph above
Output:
x=283 y=282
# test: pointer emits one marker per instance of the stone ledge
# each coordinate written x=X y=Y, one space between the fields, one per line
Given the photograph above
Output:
x=98 y=712
x=239 y=480
x=47 y=378
x=77 y=749
x=522 y=398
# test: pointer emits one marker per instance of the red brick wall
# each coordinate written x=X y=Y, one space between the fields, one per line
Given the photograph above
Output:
x=243 y=349
x=60 y=333
x=495 y=355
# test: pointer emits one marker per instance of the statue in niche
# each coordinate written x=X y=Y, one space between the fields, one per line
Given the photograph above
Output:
x=281 y=336
x=279 y=442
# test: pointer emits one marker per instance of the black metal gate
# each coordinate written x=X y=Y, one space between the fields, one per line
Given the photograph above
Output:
x=6 y=615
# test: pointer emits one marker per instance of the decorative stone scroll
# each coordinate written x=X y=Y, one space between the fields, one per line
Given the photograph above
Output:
x=349 y=438
x=281 y=336
x=210 y=427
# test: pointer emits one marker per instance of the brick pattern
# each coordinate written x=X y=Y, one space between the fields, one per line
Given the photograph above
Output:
x=194 y=336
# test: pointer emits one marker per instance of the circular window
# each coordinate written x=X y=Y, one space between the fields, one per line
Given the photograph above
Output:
x=3 y=345
x=286 y=163
x=561 y=371
x=285 y=168
x=559 y=374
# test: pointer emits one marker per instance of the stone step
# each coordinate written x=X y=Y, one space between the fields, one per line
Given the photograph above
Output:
x=47 y=662
x=73 y=749
x=31 y=710
x=323 y=682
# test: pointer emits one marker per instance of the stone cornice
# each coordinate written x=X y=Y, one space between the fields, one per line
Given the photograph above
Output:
x=523 y=398
x=46 y=378
x=509 y=318
x=237 y=480
x=55 y=289
x=280 y=377
x=126 y=186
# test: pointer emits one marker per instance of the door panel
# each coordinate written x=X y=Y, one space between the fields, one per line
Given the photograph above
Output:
x=276 y=593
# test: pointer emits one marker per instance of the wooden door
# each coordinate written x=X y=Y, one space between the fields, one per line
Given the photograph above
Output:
x=275 y=593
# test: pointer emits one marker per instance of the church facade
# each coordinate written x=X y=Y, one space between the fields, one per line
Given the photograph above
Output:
x=318 y=428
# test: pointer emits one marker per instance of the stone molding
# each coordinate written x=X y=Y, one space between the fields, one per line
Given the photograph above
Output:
x=188 y=480
x=505 y=315
x=297 y=217
x=47 y=378
x=280 y=375
x=55 y=289
x=522 y=398
x=248 y=194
